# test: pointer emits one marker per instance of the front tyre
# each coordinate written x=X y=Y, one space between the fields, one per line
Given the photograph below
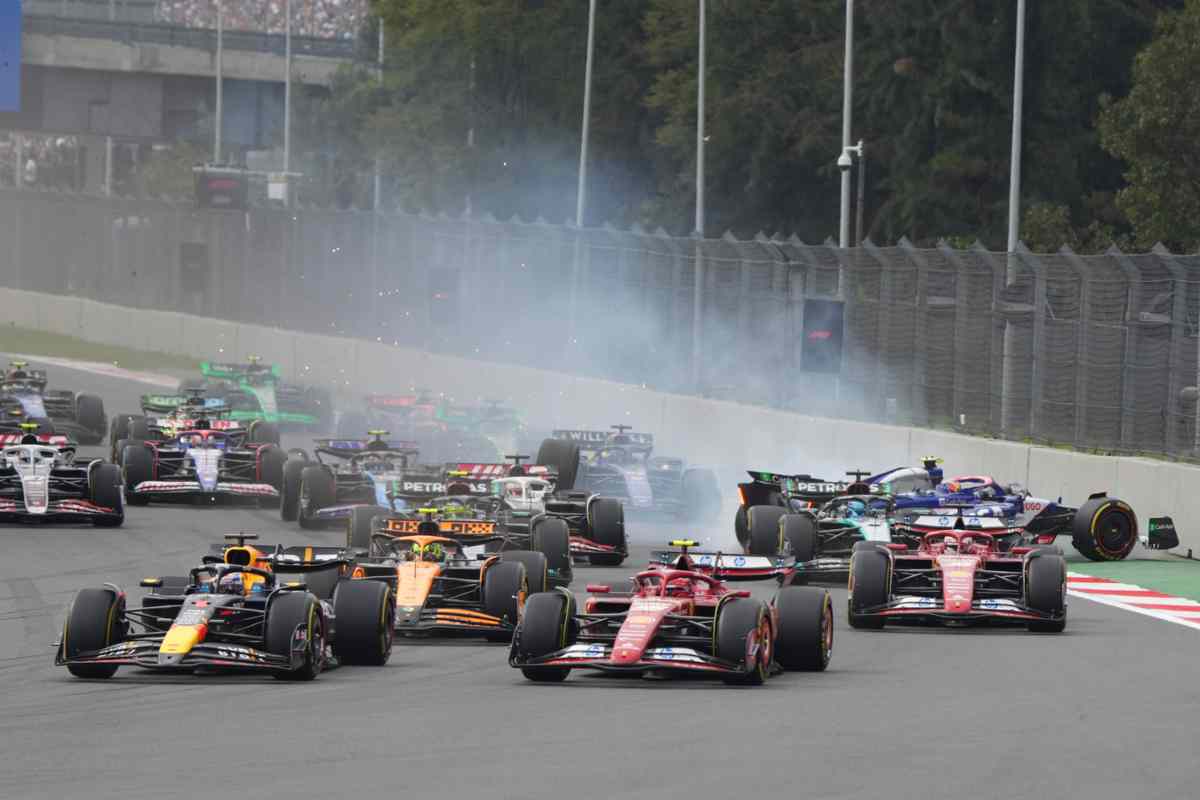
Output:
x=366 y=618
x=606 y=526
x=317 y=491
x=766 y=532
x=546 y=627
x=286 y=613
x=1046 y=591
x=870 y=582
x=743 y=635
x=1104 y=529
x=289 y=495
x=96 y=620
x=805 y=639
x=104 y=489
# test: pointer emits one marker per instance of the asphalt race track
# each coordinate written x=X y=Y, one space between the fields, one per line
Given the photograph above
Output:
x=1106 y=710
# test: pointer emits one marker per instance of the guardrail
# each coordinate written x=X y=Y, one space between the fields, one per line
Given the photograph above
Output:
x=199 y=38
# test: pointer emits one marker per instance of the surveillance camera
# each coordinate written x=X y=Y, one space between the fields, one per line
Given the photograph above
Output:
x=843 y=161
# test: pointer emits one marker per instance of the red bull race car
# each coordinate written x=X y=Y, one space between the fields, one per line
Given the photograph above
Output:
x=679 y=616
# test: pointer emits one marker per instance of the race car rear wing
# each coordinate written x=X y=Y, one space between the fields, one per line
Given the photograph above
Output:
x=816 y=491
x=467 y=531
x=348 y=448
x=493 y=471
x=167 y=403
x=594 y=439
x=726 y=566
x=232 y=370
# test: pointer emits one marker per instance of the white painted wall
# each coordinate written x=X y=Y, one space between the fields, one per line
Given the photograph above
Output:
x=726 y=434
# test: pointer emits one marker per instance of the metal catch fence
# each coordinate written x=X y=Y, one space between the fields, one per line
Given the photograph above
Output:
x=1095 y=352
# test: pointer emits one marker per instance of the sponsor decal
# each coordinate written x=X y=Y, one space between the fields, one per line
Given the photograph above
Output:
x=1034 y=505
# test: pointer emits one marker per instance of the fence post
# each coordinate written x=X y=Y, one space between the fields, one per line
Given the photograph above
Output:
x=697 y=311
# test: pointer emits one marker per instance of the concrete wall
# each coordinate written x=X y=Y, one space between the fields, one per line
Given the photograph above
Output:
x=728 y=435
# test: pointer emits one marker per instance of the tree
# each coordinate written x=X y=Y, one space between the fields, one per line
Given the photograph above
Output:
x=1155 y=130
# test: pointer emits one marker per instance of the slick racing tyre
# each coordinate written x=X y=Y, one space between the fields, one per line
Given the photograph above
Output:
x=741 y=622
x=89 y=413
x=289 y=495
x=547 y=627
x=286 y=612
x=537 y=568
x=271 y=462
x=805 y=639
x=551 y=537
x=366 y=618
x=317 y=491
x=96 y=620
x=104 y=489
x=360 y=524
x=1104 y=529
x=870 y=586
x=606 y=525
x=137 y=464
x=504 y=590
x=800 y=536
x=766 y=533
x=564 y=457
x=1046 y=590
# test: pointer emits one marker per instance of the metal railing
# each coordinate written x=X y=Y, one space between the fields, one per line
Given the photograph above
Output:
x=1095 y=352
x=181 y=36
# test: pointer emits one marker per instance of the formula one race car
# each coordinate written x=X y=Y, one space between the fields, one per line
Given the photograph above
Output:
x=79 y=416
x=440 y=588
x=545 y=540
x=620 y=464
x=375 y=472
x=164 y=417
x=230 y=613
x=523 y=494
x=1102 y=529
x=254 y=390
x=203 y=465
x=677 y=618
x=40 y=482
x=442 y=429
x=958 y=576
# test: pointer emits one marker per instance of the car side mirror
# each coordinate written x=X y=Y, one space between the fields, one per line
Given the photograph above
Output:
x=598 y=588
x=151 y=583
x=295 y=585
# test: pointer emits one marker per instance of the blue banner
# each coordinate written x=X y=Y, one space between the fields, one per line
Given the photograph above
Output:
x=10 y=55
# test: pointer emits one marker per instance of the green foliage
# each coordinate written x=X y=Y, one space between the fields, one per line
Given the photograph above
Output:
x=168 y=172
x=1155 y=129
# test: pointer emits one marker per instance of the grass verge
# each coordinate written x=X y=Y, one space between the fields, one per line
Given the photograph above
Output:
x=38 y=343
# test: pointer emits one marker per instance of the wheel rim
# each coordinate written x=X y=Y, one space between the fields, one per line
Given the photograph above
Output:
x=389 y=625
x=1113 y=534
x=764 y=648
x=316 y=646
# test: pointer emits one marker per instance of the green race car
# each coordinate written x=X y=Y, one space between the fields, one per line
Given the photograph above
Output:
x=255 y=391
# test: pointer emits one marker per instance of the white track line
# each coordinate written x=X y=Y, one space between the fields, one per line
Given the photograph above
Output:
x=1130 y=597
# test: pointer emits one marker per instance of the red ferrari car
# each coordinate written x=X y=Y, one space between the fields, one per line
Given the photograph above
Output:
x=678 y=618
x=958 y=576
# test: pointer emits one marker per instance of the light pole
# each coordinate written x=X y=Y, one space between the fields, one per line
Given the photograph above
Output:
x=581 y=192
x=287 y=105
x=377 y=177
x=699 y=229
x=220 y=75
x=847 y=111
x=1014 y=180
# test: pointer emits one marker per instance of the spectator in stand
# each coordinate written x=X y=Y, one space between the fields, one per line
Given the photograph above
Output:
x=325 y=19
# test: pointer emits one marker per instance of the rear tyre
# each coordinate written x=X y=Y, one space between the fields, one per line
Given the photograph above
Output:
x=270 y=464
x=137 y=464
x=606 y=525
x=504 y=590
x=766 y=533
x=366 y=616
x=552 y=538
x=360 y=524
x=869 y=587
x=737 y=621
x=96 y=620
x=546 y=628
x=89 y=413
x=563 y=456
x=1104 y=529
x=286 y=613
x=317 y=491
x=262 y=432
x=104 y=489
x=1046 y=591
x=289 y=495
x=537 y=568
x=800 y=536
x=805 y=639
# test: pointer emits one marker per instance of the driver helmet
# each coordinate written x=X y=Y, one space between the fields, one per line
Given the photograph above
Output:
x=855 y=508
x=231 y=584
x=434 y=552
x=950 y=544
x=683 y=562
